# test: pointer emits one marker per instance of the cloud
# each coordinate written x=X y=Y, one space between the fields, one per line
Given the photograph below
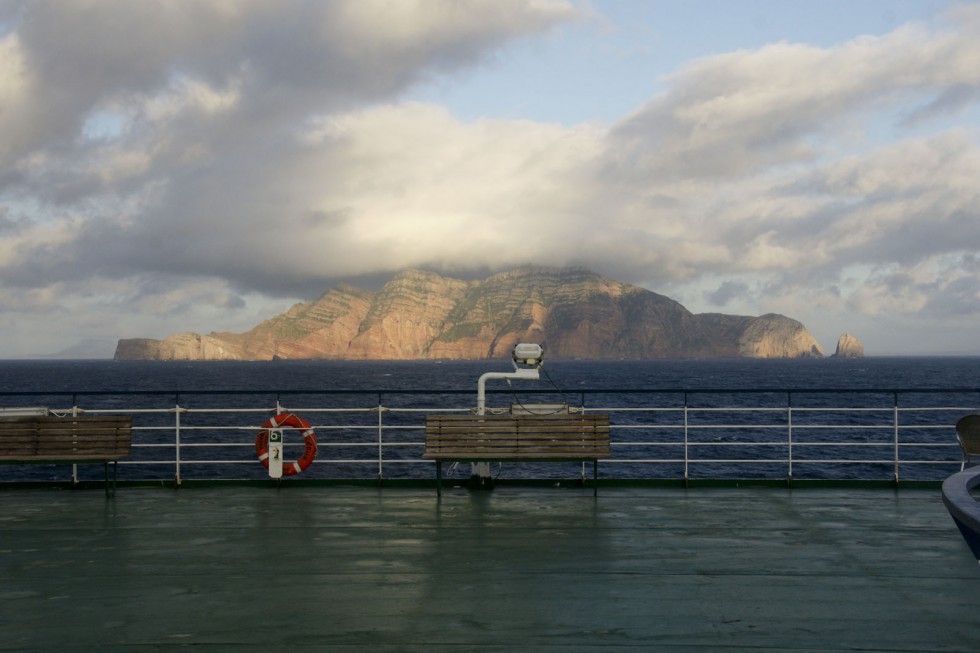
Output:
x=945 y=287
x=208 y=105
x=156 y=158
x=726 y=292
x=744 y=112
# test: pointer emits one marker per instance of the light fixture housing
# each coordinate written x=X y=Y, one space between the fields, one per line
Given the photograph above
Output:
x=528 y=353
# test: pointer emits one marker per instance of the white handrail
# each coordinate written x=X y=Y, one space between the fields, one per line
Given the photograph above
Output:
x=897 y=441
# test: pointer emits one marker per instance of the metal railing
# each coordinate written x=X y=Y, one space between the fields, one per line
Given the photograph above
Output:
x=874 y=434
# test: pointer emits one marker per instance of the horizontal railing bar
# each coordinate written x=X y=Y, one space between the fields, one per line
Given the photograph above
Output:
x=633 y=409
x=372 y=445
x=509 y=391
x=307 y=409
x=780 y=427
x=614 y=461
x=328 y=461
x=784 y=461
x=928 y=462
x=315 y=427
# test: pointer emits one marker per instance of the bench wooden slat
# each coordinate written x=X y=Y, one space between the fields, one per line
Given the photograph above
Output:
x=524 y=420
x=505 y=444
x=93 y=438
x=514 y=443
x=477 y=455
x=553 y=433
x=14 y=452
x=556 y=438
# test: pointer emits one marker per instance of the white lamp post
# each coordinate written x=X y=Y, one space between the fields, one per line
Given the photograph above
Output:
x=528 y=354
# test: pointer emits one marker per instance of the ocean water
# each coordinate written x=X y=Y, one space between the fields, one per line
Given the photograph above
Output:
x=649 y=402
x=104 y=375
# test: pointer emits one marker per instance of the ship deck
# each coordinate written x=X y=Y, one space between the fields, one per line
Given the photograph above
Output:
x=519 y=568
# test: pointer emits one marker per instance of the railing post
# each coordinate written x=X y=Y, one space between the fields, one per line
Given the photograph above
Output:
x=685 y=441
x=581 y=409
x=895 y=422
x=177 y=411
x=74 y=413
x=789 y=436
x=380 y=442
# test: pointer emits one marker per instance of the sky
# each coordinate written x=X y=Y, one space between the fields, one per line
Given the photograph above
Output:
x=170 y=166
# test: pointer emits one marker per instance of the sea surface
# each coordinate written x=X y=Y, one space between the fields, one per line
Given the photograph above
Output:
x=342 y=397
x=571 y=375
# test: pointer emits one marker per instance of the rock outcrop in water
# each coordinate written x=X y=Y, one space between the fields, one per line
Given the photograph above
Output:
x=573 y=312
x=849 y=347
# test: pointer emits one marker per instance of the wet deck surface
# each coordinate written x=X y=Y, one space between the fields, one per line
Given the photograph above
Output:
x=356 y=569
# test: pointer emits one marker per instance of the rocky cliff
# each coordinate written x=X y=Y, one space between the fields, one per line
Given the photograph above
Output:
x=849 y=347
x=572 y=312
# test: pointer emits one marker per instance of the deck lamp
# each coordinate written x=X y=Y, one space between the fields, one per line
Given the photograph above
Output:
x=528 y=353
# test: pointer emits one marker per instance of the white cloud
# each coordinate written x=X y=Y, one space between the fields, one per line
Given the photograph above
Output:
x=740 y=113
x=183 y=158
x=16 y=89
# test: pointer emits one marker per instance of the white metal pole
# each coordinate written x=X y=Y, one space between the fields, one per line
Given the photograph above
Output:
x=482 y=470
x=177 y=411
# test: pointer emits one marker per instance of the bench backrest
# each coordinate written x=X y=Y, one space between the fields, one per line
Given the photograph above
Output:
x=968 y=434
x=66 y=438
x=575 y=436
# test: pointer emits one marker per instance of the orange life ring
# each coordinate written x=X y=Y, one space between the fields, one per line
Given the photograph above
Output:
x=297 y=422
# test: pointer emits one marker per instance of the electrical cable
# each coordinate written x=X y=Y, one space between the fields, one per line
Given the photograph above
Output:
x=557 y=411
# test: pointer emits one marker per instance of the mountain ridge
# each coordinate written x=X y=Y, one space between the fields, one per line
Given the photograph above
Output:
x=573 y=312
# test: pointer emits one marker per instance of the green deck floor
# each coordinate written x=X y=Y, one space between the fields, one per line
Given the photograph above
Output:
x=517 y=569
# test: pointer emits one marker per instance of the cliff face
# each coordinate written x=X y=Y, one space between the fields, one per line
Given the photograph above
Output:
x=179 y=347
x=849 y=347
x=572 y=312
x=320 y=329
x=407 y=315
x=776 y=336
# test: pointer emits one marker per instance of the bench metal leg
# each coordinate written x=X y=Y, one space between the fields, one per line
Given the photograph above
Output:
x=114 y=475
x=439 y=478
x=595 y=478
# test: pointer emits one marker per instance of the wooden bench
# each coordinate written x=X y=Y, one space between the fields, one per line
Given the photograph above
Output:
x=968 y=435
x=69 y=440
x=520 y=438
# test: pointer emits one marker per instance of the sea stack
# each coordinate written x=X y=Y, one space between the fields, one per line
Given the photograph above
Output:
x=849 y=347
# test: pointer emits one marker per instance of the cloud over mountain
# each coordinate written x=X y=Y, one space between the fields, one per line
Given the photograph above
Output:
x=199 y=163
